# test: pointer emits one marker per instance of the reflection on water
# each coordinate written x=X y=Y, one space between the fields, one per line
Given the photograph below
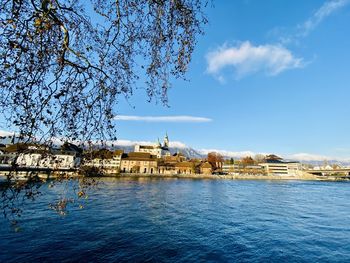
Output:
x=188 y=220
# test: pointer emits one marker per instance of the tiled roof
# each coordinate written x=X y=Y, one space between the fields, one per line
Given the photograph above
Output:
x=147 y=147
x=272 y=157
x=139 y=156
x=103 y=154
x=184 y=164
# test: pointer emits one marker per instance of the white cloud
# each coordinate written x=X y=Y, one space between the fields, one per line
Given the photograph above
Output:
x=304 y=29
x=247 y=59
x=324 y=11
x=270 y=59
x=180 y=118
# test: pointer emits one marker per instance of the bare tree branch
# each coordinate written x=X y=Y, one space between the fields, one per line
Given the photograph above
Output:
x=64 y=64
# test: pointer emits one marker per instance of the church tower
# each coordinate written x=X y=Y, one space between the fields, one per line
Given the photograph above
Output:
x=166 y=141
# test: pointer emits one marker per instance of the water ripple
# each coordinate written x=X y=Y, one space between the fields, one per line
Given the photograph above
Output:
x=189 y=221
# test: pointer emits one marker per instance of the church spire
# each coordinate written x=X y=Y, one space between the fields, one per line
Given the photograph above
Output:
x=166 y=141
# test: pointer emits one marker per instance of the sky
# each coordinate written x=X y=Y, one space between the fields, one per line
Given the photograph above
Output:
x=268 y=76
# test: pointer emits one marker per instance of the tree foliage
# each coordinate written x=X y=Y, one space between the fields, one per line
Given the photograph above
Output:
x=216 y=160
x=259 y=158
x=65 y=63
x=248 y=160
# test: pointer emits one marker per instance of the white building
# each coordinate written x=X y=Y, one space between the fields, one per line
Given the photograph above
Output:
x=278 y=167
x=157 y=149
x=48 y=160
x=107 y=161
x=138 y=162
x=41 y=157
x=229 y=168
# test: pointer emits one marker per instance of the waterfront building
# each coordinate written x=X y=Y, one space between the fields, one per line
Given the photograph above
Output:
x=139 y=162
x=206 y=168
x=107 y=161
x=175 y=158
x=167 y=168
x=243 y=169
x=280 y=167
x=230 y=168
x=185 y=168
x=53 y=160
x=36 y=156
x=158 y=149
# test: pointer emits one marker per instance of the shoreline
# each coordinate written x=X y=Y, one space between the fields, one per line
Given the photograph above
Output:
x=302 y=177
x=305 y=177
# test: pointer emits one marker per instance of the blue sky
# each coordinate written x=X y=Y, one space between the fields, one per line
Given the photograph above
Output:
x=268 y=76
x=271 y=76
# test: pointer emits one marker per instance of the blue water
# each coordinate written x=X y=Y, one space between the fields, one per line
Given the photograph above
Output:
x=188 y=221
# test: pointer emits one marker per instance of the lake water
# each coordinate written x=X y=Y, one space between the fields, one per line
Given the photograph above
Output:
x=171 y=220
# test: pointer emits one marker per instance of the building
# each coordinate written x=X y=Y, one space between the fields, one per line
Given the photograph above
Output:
x=279 y=167
x=206 y=168
x=68 y=156
x=53 y=160
x=139 y=162
x=185 y=168
x=166 y=167
x=107 y=161
x=157 y=149
x=230 y=168
x=243 y=169
x=175 y=158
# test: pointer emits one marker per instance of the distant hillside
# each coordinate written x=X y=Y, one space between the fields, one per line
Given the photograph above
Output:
x=187 y=151
x=322 y=163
